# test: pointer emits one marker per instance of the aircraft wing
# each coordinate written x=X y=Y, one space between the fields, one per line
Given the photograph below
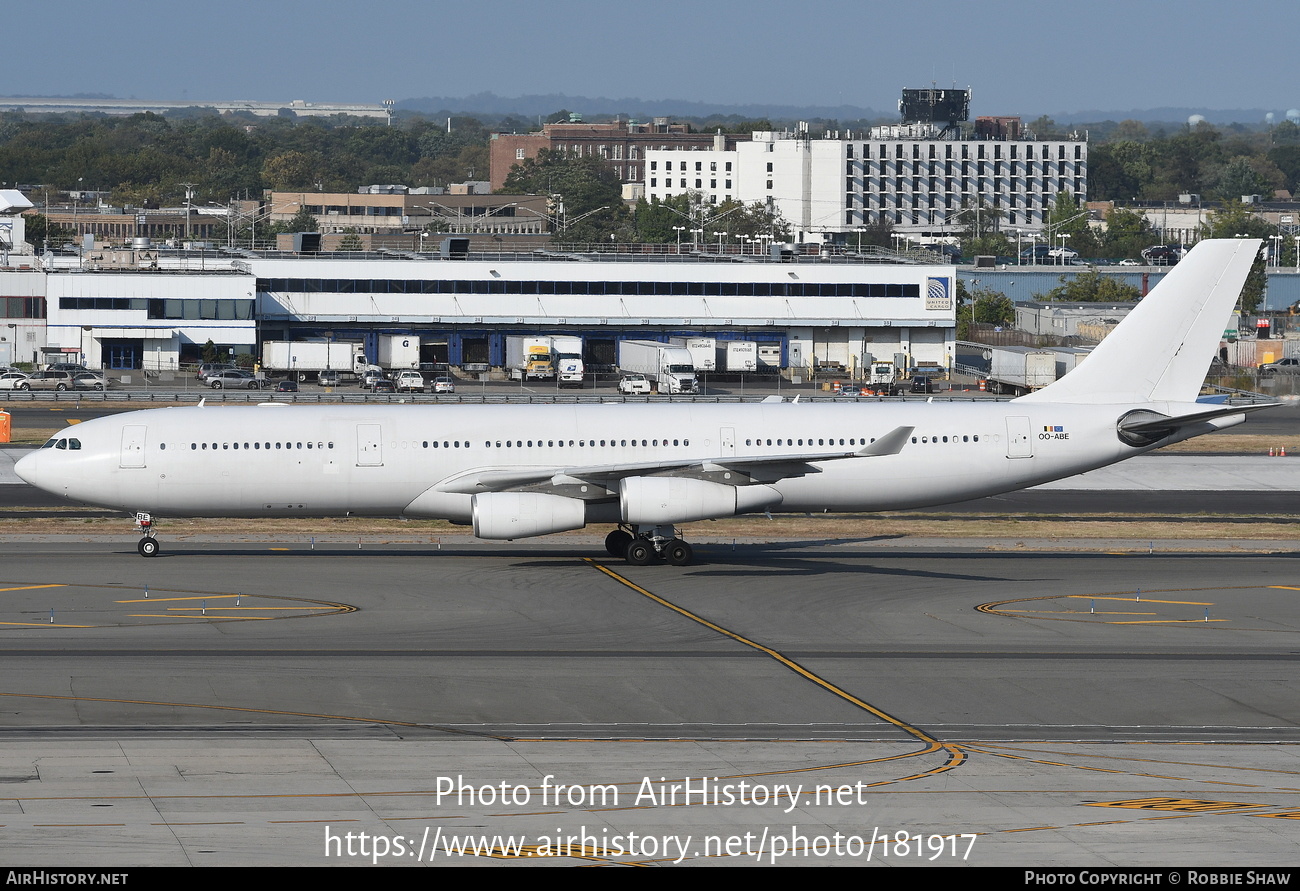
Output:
x=731 y=469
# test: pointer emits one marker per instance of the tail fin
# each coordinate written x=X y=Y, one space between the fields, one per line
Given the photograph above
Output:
x=1163 y=348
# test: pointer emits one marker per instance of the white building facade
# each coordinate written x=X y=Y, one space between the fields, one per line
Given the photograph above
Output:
x=123 y=320
x=827 y=188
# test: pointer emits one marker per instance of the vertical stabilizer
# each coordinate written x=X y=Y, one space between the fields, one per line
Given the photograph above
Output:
x=1161 y=351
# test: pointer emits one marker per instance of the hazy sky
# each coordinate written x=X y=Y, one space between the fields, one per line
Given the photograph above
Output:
x=1019 y=58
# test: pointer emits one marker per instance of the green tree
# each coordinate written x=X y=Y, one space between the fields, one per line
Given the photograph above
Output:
x=1093 y=287
x=587 y=196
x=351 y=241
x=1068 y=217
x=1238 y=177
x=1127 y=233
x=302 y=221
x=39 y=232
x=293 y=170
x=982 y=305
x=980 y=231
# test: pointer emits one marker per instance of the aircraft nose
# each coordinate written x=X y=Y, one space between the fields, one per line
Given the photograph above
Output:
x=26 y=467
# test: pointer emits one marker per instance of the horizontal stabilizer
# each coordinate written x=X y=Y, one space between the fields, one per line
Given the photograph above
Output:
x=1143 y=428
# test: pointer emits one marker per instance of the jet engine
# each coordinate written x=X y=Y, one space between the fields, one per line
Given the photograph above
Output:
x=510 y=515
x=654 y=501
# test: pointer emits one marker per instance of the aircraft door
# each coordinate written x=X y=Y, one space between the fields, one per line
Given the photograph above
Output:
x=727 y=436
x=133 y=439
x=369 y=440
x=1019 y=442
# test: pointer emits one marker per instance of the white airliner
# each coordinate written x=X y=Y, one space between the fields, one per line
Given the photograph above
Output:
x=520 y=471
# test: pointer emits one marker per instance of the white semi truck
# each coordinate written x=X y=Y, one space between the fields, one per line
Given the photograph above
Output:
x=703 y=351
x=567 y=352
x=399 y=352
x=305 y=359
x=668 y=367
x=1019 y=370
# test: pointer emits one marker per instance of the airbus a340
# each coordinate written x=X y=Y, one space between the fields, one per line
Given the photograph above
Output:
x=521 y=471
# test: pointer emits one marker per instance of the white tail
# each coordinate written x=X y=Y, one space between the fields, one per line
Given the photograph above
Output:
x=1163 y=348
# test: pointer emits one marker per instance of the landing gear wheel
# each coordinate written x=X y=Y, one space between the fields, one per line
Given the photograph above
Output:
x=148 y=547
x=678 y=552
x=640 y=552
x=617 y=541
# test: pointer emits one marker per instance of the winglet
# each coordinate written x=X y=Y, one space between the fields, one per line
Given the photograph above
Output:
x=890 y=444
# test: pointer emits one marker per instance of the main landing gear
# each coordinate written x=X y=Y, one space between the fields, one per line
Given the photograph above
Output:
x=646 y=544
x=147 y=546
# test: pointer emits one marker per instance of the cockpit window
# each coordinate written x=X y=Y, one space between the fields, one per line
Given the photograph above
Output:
x=65 y=443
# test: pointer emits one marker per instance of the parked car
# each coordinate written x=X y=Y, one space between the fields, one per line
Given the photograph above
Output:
x=922 y=384
x=328 y=378
x=48 y=380
x=11 y=380
x=1281 y=366
x=949 y=252
x=90 y=380
x=443 y=385
x=233 y=378
x=409 y=382
x=1128 y=261
x=370 y=377
x=286 y=387
x=1038 y=253
x=207 y=369
x=1162 y=254
x=634 y=384
x=382 y=385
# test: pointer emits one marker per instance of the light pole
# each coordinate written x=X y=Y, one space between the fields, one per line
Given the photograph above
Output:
x=679 y=230
x=1277 y=249
x=720 y=235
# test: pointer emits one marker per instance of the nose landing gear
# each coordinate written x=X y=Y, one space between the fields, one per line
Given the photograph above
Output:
x=147 y=546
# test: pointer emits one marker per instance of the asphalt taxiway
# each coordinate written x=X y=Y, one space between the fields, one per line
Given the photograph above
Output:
x=238 y=702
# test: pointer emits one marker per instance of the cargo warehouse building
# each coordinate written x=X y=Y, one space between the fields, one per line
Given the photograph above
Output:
x=804 y=311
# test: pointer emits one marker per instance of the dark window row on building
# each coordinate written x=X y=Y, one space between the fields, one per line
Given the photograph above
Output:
x=22 y=307
x=233 y=310
x=622 y=289
x=1044 y=151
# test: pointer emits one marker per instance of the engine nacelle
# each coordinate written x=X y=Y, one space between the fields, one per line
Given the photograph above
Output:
x=660 y=500
x=509 y=515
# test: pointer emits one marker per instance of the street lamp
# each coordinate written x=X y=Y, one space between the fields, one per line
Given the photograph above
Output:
x=1277 y=249
x=679 y=230
x=720 y=235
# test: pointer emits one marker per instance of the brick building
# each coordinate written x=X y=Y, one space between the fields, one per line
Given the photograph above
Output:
x=621 y=144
